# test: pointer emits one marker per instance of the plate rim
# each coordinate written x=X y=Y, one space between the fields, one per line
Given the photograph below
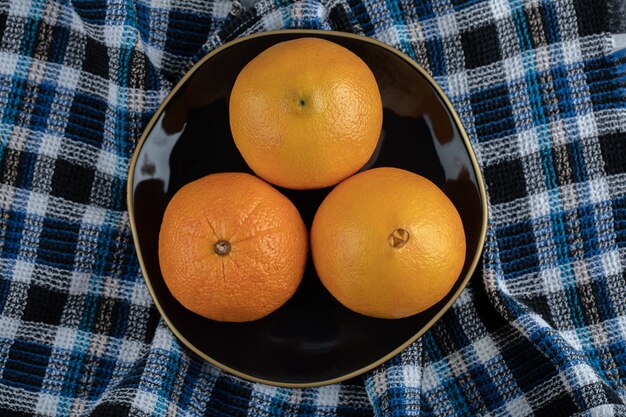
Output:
x=427 y=326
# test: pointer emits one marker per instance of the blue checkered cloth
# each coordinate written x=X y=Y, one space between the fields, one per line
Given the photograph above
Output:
x=542 y=96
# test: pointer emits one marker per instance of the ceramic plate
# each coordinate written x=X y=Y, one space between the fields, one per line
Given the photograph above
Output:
x=311 y=340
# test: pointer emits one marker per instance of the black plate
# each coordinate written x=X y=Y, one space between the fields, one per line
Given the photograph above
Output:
x=311 y=340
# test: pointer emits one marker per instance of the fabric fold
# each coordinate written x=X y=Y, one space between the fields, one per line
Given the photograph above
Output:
x=541 y=327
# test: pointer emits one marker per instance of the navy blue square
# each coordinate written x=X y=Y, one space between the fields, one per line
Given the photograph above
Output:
x=118 y=200
x=228 y=398
x=603 y=95
x=72 y=182
x=26 y=365
x=436 y=59
x=481 y=46
x=538 y=303
x=563 y=405
x=528 y=366
x=44 y=305
x=518 y=251
x=57 y=243
x=505 y=181
x=13 y=413
x=110 y=409
x=577 y=161
x=86 y=121
x=96 y=58
x=550 y=23
x=3 y=22
x=91 y=11
x=186 y=31
x=11 y=244
x=4 y=289
x=591 y=17
x=489 y=317
x=60 y=39
x=462 y=4
x=424 y=9
x=493 y=113
x=346 y=406
x=613 y=148
x=443 y=337
x=339 y=20
x=25 y=169
x=611 y=395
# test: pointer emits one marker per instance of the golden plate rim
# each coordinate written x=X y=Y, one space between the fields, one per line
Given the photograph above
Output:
x=428 y=325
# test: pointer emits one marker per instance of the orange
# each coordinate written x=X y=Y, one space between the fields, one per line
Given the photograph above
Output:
x=306 y=113
x=388 y=243
x=231 y=247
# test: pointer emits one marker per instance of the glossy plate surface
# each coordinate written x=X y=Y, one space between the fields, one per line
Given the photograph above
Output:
x=312 y=340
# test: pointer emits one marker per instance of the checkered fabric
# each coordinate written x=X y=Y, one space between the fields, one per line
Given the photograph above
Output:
x=543 y=99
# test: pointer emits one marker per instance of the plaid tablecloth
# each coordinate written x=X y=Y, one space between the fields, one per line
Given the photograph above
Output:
x=542 y=96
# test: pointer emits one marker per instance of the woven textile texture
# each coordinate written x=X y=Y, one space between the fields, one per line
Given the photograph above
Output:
x=540 y=331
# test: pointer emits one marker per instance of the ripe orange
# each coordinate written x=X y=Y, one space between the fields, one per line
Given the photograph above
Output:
x=231 y=247
x=306 y=113
x=388 y=243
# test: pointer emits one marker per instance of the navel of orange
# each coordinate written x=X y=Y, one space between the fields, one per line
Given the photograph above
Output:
x=231 y=247
x=388 y=243
x=306 y=113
